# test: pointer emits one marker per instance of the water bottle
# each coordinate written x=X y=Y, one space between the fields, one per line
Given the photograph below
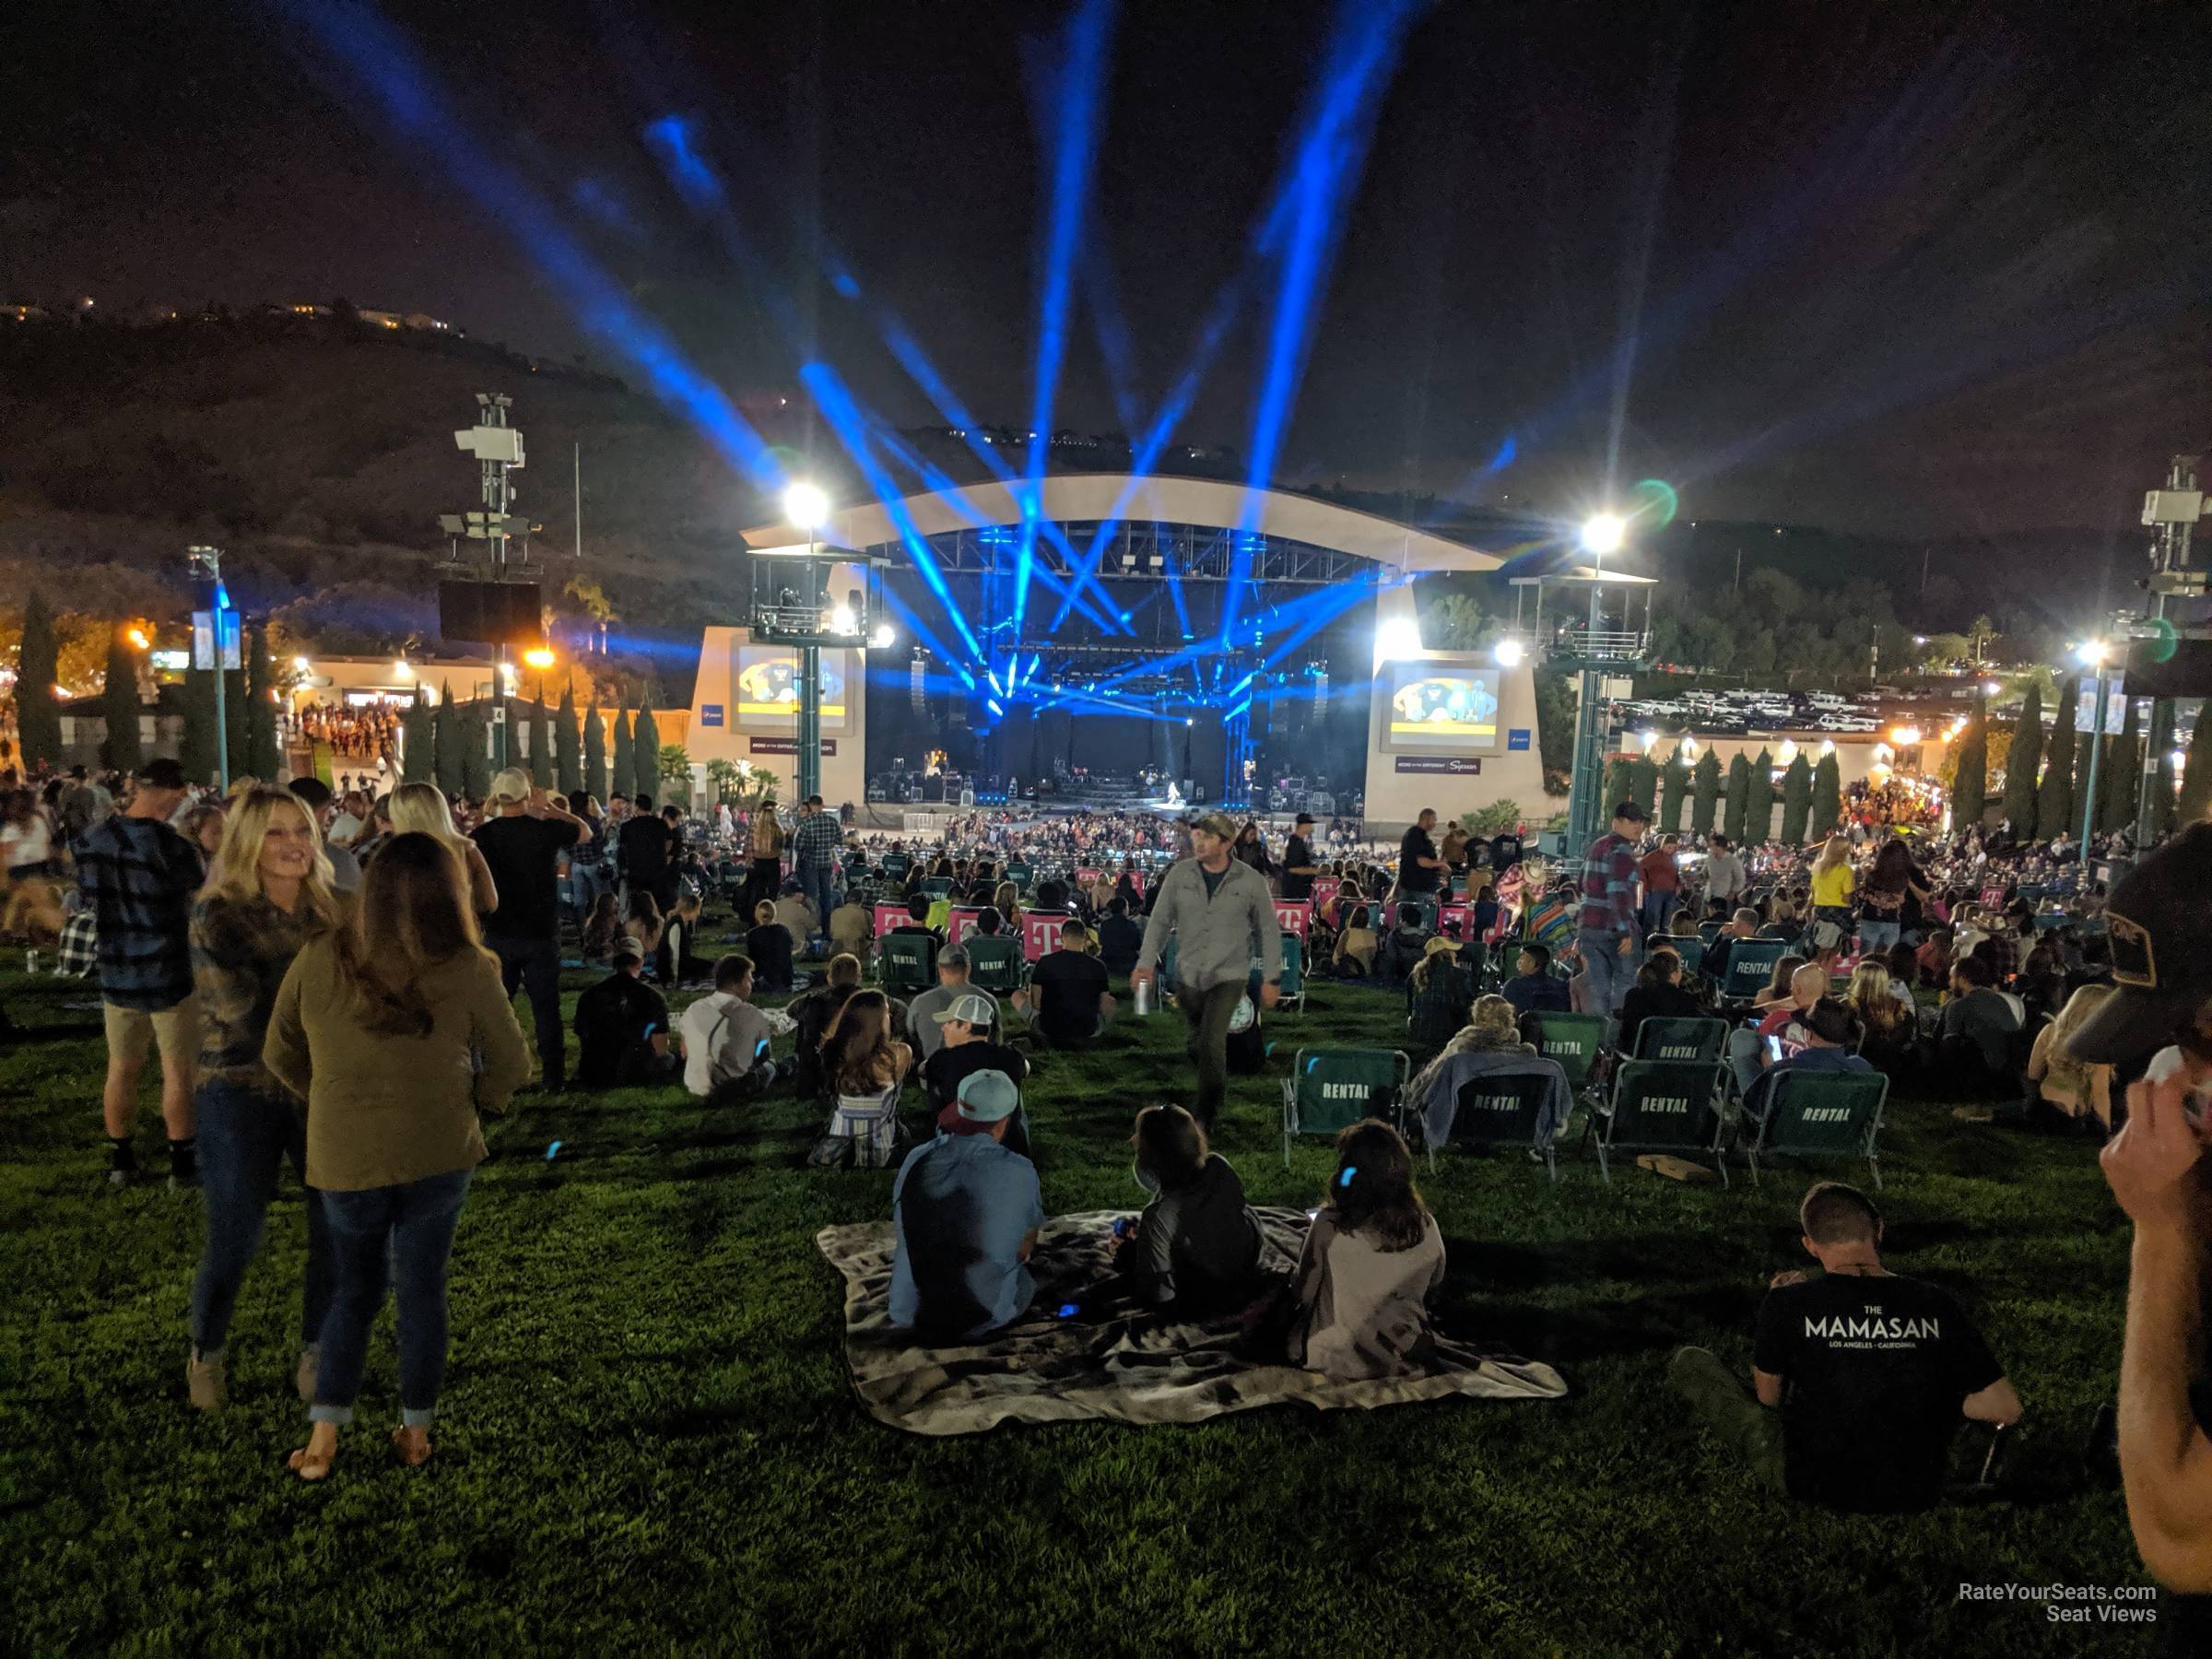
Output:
x=31 y=961
x=1144 y=998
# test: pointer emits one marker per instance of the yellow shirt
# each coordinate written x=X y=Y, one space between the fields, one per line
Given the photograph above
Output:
x=1834 y=887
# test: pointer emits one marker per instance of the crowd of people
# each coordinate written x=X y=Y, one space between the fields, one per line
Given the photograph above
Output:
x=357 y=730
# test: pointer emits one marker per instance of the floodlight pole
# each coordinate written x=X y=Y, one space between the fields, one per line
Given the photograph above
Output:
x=810 y=698
x=2172 y=526
x=211 y=560
x=2089 y=803
x=499 y=497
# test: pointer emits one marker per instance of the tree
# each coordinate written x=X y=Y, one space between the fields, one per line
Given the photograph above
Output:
x=2120 y=783
x=1620 y=782
x=595 y=755
x=622 y=777
x=195 y=750
x=1555 y=724
x=1643 y=783
x=1796 y=800
x=1457 y=622
x=1673 y=795
x=119 y=701
x=1493 y=819
x=475 y=749
x=1739 y=798
x=419 y=744
x=2054 y=800
x=2020 y=764
x=541 y=743
x=2196 y=776
x=1759 y=819
x=38 y=670
x=565 y=764
x=1970 y=783
x=446 y=738
x=675 y=766
x=726 y=776
x=1705 y=784
x=263 y=758
x=1828 y=794
x=645 y=752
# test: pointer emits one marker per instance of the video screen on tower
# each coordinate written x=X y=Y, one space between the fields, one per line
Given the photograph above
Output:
x=767 y=679
x=1443 y=707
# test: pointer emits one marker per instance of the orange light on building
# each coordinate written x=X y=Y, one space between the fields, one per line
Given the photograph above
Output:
x=538 y=656
x=139 y=638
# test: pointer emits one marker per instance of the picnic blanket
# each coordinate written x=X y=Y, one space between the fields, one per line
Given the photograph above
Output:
x=1113 y=1360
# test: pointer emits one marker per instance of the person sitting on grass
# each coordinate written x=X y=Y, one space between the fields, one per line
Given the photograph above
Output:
x=1859 y=1376
x=1886 y=1014
x=674 y=963
x=965 y=1215
x=767 y=942
x=2076 y=1090
x=1933 y=958
x=1980 y=1025
x=1403 y=947
x=1374 y=1255
x=1533 y=989
x=1066 y=1000
x=866 y=1067
x=968 y=1042
x=852 y=930
x=726 y=1038
x=923 y=1022
x=1355 y=946
x=1194 y=1253
x=621 y=1026
x=795 y=915
x=601 y=928
x=1121 y=940
x=1829 y=1035
x=1657 y=993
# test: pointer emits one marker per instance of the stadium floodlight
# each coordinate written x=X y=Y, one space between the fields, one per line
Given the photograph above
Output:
x=1508 y=653
x=1399 y=637
x=842 y=620
x=1905 y=737
x=1603 y=532
x=2092 y=653
x=884 y=636
x=804 y=505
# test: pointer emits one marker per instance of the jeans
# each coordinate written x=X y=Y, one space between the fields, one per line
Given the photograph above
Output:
x=1877 y=938
x=534 y=964
x=1745 y=1049
x=1611 y=973
x=1726 y=1407
x=815 y=885
x=245 y=1137
x=586 y=882
x=382 y=1235
x=1659 y=910
x=1206 y=1014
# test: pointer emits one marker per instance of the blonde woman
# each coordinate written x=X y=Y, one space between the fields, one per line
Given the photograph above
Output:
x=396 y=1031
x=2077 y=1087
x=1834 y=881
x=268 y=893
x=422 y=807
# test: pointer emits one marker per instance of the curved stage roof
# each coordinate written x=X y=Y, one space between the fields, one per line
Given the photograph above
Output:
x=1084 y=498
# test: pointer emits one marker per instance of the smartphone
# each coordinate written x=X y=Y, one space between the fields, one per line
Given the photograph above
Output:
x=1773 y=1050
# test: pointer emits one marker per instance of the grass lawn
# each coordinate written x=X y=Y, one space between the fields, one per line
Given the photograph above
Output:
x=648 y=1442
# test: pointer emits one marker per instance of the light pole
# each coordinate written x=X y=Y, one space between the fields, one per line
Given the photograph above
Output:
x=210 y=561
x=2095 y=653
x=1602 y=534
x=806 y=506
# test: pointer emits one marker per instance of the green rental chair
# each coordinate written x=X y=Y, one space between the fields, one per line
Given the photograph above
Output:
x=1505 y=1109
x=1576 y=1041
x=1664 y=1106
x=1331 y=1090
x=1821 y=1114
x=994 y=962
x=1750 y=966
x=906 y=964
x=1702 y=1040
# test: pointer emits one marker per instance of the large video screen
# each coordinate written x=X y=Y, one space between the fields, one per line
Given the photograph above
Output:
x=768 y=686
x=1443 y=707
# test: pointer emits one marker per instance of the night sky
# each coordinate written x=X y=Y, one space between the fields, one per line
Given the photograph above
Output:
x=1901 y=268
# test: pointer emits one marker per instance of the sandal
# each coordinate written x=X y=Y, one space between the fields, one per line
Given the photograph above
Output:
x=310 y=1468
x=411 y=1446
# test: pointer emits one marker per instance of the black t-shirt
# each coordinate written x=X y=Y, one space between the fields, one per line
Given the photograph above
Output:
x=525 y=854
x=769 y=947
x=643 y=848
x=1417 y=846
x=1120 y=942
x=1296 y=853
x=1874 y=1371
x=945 y=1071
x=1068 y=984
x=615 y=1020
x=1505 y=851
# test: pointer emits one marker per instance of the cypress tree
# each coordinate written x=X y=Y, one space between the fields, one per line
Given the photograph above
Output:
x=445 y=742
x=38 y=666
x=2196 y=775
x=2121 y=781
x=1739 y=799
x=1644 y=783
x=1705 y=786
x=2055 y=799
x=1796 y=800
x=622 y=776
x=1673 y=793
x=418 y=742
x=2020 y=766
x=1828 y=796
x=119 y=702
x=1621 y=784
x=264 y=758
x=1969 y=772
x=567 y=768
x=645 y=753
x=476 y=749
x=542 y=773
x=1759 y=819
x=595 y=755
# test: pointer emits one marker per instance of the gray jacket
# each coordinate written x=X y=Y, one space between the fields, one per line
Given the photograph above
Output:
x=1216 y=938
x=1441 y=1104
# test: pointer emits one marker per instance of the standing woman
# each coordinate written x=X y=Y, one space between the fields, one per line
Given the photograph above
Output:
x=421 y=807
x=1833 y=884
x=268 y=894
x=764 y=844
x=1251 y=849
x=397 y=1032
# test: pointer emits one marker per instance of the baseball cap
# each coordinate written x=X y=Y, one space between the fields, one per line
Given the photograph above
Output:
x=953 y=956
x=1217 y=824
x=2161 y=952
x=160 y=774
x=969 y=1006
x=1629 y=810
x=1305 y=817
x=627 y=947
x=987 y=1096
x=1439 y=943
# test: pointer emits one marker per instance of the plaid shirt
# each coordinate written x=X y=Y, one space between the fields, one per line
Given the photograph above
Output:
x=1608 y=886
x=815 y=840
x=138 y=878
x=80 y=944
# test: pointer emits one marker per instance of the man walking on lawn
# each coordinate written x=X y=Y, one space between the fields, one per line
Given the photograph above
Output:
x=1608 y=931
x=813 y=846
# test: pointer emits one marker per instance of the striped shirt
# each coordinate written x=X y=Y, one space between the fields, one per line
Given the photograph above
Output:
x=139 y=876
x=1608 y=886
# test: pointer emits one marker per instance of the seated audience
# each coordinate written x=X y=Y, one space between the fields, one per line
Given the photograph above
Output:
x=601 y=927
x=965 y=1215
x=644 y=922
x=1859 y=1376
x=674 y=962
x=1782 y=985
x=1657 y=993
x=1403 y=947
x=1195 y=1251
x=866 y=1067
x=811 y=1016
x=622 y=1025
x=1830 y=1033
x=1120 y=939
x=1372 y=1257
x=852 y=930
x=1935 y=959
x=767 y=942
x=1888 y=1017
x=1742 y=924
x=1066 y=999
x=1355 y=946
x=917 y=919
x=2077 y=1088
x=1439 y=956
x=1979 y=1027
x=795 y=915
x=922 y=1026
x=1489 y=1044
x=726 y=1038
x=966 y=1045
x=1533 y=989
